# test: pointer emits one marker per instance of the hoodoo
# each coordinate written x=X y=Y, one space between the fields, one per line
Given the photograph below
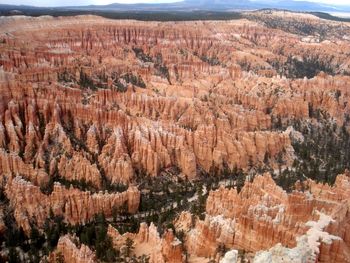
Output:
x=175 y=142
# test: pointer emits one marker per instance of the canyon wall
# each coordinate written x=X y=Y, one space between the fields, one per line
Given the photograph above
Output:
x=77 y=207
x=68 y=251
x=189 y=100
x=160 y=249
x=262 y=215
x=91 y=105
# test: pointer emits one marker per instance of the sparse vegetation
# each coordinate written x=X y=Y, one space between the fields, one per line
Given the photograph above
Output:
x=222 y=122
x=321 y=156
x=308 y=66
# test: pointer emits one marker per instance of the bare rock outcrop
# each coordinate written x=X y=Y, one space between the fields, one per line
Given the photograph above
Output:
x=79 y=168
x=92 y=101
x=263 y=215
x=75 y=206
x=208 y=111
x=148 y=242
x=12 y=165
x=68 y=251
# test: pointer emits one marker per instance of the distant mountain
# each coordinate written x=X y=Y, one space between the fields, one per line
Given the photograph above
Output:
x=197 y=5
x=221 y=5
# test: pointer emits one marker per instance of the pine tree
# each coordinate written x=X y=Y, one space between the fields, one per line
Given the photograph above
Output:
x=129 y=244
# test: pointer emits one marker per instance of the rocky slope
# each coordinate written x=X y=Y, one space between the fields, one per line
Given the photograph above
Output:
x=149 y=242
x=265 y=222
x=93 y=111
x=77 y=207
x=70 y=253
x=308 y=225
x=199 y=108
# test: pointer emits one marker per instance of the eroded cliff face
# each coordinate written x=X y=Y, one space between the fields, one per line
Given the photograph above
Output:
x=77 y=207
x=68 y=252
x=101 y=104
x=269 y=224
x=159 y=249
x=111 y=141
x=189 y=101
x=308 y=225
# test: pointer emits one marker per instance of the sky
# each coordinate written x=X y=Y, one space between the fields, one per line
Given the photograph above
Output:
x=104 y=2
x=79 y=2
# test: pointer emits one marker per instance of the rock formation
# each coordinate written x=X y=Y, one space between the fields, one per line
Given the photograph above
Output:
x=263 y=216
x=90 y=105
x=77 y=207
x=148 y=242
x=70 y=253
x=200 y=107
x=230 y=257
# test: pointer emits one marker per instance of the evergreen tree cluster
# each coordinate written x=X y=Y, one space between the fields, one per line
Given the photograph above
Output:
x=322 y=155
x=308 y=66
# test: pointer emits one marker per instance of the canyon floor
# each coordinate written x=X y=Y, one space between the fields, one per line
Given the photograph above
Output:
x=201 y=141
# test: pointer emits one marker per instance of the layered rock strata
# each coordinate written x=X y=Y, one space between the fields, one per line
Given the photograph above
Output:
x=191 y=101
x=77 y=207
x=149 y=242
x=263 y=215
x=68 y=251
